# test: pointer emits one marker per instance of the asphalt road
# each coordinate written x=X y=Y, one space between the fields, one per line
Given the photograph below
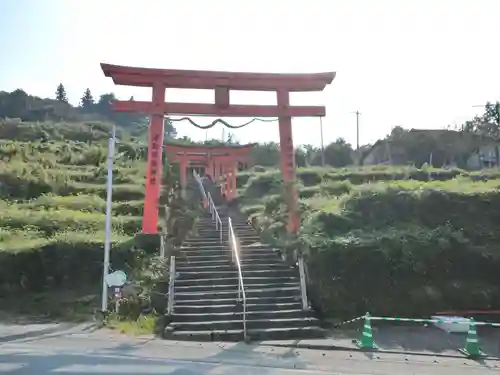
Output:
x=75 y=352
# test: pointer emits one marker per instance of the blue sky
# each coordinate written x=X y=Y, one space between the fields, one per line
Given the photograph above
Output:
x=413 y=63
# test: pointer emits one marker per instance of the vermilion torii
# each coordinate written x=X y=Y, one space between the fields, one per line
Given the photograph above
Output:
x=221 y=83
x=218 y=161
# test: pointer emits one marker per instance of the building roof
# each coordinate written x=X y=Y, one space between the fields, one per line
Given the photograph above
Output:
x=468 y=140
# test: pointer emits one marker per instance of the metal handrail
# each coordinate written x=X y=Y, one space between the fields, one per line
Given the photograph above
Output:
x=171 y=287
x=215 y=215
x=236 y=259
x=200 y=184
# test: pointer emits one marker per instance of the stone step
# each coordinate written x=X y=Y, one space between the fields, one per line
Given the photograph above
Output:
x=231 y=267
x=312 y=332
x=206 y=301
x=290 y=291
x=224 y=261
x=234 y=307
x=206 y=288
x=200 y=246
x=238 y=315
x=229 y=287
x=246 y=273
x=215 y=241
x=225 y=226
x=203 y=246
x=225 y=229
x=215 y=236
x=202 y=257
x=238 y=323
x=225 y=252
x=234 y=281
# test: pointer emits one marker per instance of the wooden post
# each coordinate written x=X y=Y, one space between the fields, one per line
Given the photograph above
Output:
x=234 y=189
x=216 y=171
x=154 y=163
x=287 y=155
x=227 y=174
x=183 y=166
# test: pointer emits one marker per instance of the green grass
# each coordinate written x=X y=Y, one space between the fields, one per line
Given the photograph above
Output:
x=374 y=237
x=143 y=325
x=52 y=199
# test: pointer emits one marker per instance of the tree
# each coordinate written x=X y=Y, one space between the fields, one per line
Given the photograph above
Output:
x=300 y=157
x=310 y=153
x=87 y=101
x=14 y=105
x=170 y=131
x=61 y=93
x=266 y=154
x=486 y=124
x=337 y=154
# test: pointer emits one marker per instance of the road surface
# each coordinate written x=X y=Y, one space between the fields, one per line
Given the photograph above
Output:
x=66 y=351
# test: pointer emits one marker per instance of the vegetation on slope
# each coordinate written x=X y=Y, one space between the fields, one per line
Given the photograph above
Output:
x=52 y=198
x=395 y=241
x=52 y=202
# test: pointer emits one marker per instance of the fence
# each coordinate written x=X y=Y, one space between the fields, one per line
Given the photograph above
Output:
x=471 y=348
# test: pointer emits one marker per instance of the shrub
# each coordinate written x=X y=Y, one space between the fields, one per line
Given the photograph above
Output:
x=374 y=237
x=67 y=258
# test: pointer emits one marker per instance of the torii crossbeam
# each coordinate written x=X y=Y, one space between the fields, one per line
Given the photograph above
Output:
x=221 y=83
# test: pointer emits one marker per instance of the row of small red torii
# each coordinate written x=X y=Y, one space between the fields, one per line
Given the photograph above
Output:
x=221 y=82
x=218 y=161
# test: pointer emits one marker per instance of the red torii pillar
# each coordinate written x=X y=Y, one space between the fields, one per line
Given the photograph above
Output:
x=209 y=170
x=183 y=161
x=229 y=166
x=221 y=83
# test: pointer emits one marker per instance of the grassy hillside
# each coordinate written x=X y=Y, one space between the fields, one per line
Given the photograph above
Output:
x=52 y=200
x=397 y=241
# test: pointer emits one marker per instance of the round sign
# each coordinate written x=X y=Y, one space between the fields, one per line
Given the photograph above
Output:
x=117 y=278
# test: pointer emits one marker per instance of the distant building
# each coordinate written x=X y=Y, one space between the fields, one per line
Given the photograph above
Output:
x=471 y=150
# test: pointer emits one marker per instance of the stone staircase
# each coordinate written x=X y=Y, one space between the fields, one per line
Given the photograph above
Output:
x=206 y=305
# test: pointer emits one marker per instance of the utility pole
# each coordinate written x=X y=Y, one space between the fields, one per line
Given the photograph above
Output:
x=107 y=243
x=358 y=156
x=357 y=113
x=322 y=144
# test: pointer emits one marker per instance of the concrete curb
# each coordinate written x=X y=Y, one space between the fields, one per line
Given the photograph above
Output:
x=309 y=346
x=350 y=349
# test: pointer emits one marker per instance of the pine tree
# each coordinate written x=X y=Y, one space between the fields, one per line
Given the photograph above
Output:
x=61 y=93
x=87 y=100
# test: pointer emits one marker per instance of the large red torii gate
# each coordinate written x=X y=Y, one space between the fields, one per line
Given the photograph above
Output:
x=221 y=83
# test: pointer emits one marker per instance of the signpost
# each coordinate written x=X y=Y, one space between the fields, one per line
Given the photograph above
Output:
x=116 y=279
x=107 y=244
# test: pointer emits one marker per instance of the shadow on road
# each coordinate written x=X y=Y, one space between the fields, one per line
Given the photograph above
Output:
x=423 y=340
x=29 y=364
x=36 y=333
x=121 y=359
